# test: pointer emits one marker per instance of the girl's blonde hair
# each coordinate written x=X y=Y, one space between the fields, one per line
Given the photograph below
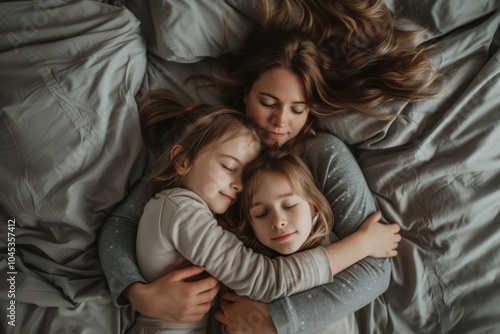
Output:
x=350 y=55
x=195 y=128
x=290 y=167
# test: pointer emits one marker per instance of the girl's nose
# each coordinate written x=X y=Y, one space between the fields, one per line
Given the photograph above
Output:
x=236 y=185
x=278 y=222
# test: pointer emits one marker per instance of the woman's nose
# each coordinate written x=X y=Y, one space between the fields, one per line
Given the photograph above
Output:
x=278 y=119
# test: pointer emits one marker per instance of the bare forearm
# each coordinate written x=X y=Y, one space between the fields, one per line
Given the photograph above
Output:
x=371 y=239
x=346 y=252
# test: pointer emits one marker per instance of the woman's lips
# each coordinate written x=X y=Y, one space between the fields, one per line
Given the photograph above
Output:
x=274 y=135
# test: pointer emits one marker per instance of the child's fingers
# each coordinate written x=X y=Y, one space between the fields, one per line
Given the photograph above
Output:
x=393 y=229
x=375 y=217
x=392 y=253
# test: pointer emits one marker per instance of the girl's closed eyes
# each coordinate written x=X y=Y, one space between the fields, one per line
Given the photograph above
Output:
x=231 y=169
x=261 y=211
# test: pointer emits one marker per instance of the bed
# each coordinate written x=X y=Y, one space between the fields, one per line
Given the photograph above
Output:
x=70 y=149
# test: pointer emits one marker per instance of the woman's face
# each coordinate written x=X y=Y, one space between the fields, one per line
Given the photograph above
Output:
x=276 y=103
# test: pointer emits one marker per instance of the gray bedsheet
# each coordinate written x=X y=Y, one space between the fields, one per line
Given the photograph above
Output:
x=439 y=178
x=70 y=147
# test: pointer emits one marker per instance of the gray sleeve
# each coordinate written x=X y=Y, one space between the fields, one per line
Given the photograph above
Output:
x=344 y=186
x=116 y=244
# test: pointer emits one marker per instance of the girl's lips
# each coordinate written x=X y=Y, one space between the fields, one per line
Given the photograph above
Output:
x=227 y=197
x=283 y=237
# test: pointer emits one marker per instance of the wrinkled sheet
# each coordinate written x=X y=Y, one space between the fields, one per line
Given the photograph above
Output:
x=70 y=147
x=438 y=176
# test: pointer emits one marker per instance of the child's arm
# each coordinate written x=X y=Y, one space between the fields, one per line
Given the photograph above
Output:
x=371 y=239
x=179 y=220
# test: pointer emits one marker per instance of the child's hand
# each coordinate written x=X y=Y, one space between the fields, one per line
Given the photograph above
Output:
x=381 y=239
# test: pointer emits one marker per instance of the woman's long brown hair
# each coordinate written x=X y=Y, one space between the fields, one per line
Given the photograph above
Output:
x=350 y=55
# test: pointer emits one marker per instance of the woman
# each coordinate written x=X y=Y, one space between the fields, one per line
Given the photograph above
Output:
x=285 y=84
x=197 y=179
x=343 y=186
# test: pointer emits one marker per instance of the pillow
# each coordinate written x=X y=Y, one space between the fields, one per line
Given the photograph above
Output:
x=188 y=31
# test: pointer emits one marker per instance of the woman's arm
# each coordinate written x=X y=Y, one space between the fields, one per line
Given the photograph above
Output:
x=344 y=186
x=116 y=244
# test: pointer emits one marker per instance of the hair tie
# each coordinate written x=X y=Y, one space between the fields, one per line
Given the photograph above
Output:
x=190 y=107
x=315 y=218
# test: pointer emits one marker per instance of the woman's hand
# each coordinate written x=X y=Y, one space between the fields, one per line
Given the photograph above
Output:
x=381 y=239
x=242 y=315
x=171 y=298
